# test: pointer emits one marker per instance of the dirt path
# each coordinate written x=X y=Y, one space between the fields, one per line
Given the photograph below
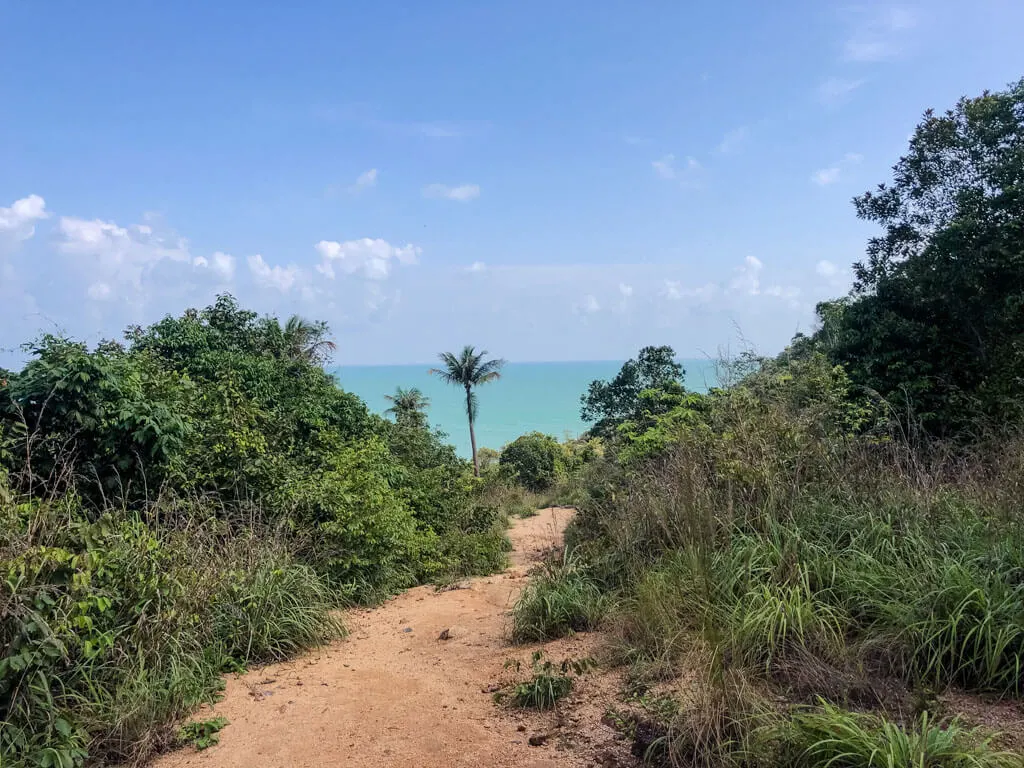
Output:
x=393 y=693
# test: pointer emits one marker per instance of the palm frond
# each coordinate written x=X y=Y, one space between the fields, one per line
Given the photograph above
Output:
x=447 y=376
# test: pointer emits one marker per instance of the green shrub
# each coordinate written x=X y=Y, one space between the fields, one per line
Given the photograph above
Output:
x=548 y=683
x=202 y=734
x=533 y=459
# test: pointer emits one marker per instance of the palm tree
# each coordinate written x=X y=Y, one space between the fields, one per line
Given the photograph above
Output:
x=408 y=406
x=304 y=340
x=468 y=370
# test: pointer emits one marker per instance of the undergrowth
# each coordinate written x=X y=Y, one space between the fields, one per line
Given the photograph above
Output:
x=560 y=598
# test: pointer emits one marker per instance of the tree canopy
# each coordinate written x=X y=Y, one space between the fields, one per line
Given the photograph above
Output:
x=610 y=403
x=935 y=322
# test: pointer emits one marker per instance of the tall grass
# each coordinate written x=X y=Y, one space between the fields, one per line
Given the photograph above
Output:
x=829 y=736
x=560 y=599
x=809 y=563
x=112 y=630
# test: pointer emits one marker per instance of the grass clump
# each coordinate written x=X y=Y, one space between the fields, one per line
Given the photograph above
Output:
x=830 y=736
x=560 y=599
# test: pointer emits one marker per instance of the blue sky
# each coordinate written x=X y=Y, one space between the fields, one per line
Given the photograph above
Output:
x=552 y=181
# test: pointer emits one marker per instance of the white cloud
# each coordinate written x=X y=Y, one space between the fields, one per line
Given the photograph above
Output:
x=734 y=140
x=748 y=277
x=462 y=193
x=99 y=291
x=673 y=290
x=372 y=258
x=20 y=219
x=476 y=266
x=878 y=35
x=220 y=264
x=119 y=246
x=826 y=268
x=95 y=236
x=835 y=90
x=589 y=305
x=833 y=275
x=367 y=179
x=825 y=176
x=278 y=277
x=666 y=167
x=626 y=290
x=704 y=293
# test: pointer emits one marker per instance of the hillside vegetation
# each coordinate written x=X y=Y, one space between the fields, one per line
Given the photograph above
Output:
x=814 y=563
x=192 y=500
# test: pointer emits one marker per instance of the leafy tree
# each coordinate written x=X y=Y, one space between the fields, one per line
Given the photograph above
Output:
x=535 y=459
x=935 y=322
x=408 y=406
x=469 y=369
x=106 y=420
x=610 y=403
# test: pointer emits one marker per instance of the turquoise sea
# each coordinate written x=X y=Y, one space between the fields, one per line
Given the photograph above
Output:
x=529 y=396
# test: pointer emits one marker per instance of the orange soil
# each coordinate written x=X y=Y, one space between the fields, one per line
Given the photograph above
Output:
x=394 y=694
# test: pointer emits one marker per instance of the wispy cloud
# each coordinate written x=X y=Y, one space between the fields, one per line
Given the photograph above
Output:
x=836 y=90
x=748 y=277
x=462 y=193
x=823 y=177
x=367 y=179
x=687 y=172
x=588 y=305
x=734 y=140
x=878 y=34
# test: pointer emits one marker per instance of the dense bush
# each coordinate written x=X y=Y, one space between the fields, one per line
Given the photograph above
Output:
x=534 y=460
x=113 y=629
x=193 y=500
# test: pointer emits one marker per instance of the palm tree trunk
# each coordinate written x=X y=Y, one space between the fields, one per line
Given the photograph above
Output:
x=472 y=433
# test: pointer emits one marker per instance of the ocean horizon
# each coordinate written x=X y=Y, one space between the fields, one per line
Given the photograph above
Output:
x=538 y=396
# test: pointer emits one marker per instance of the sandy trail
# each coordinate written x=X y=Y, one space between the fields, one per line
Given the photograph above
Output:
x=393 y=693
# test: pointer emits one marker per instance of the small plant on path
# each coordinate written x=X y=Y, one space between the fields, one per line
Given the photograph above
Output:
x=548 y=684
x=202 y=733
